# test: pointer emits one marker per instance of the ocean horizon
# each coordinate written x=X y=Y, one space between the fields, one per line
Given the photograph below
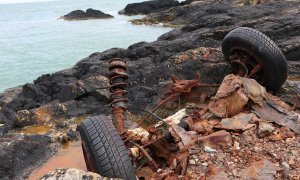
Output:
x=34 y=41
x=21 y=1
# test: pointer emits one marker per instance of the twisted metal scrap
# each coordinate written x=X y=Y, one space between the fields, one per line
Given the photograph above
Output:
x=178 y=87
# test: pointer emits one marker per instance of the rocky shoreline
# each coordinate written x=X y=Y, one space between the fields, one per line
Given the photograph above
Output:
x=59 y=101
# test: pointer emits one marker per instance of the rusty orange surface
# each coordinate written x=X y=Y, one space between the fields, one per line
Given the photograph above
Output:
x=70 y=157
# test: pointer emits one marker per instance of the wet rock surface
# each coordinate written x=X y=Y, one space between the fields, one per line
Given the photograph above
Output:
x=61 y=174
x=55 y=103
x=88 y=14
x=21 y=153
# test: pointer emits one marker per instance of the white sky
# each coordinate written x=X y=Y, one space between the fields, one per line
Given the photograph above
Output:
x=18 y=1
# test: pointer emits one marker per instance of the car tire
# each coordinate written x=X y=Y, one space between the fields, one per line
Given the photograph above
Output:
x=261 y=50
x=104 y=150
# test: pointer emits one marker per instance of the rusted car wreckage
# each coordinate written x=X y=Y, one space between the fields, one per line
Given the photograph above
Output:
x=114 y=151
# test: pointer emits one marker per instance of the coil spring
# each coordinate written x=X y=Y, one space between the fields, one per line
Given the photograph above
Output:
x=118 y=82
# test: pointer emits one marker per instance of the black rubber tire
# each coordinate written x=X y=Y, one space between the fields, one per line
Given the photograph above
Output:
x=105 y=149
x=274 y=62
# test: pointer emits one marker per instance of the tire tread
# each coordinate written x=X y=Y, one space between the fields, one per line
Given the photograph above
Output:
x=109 y=152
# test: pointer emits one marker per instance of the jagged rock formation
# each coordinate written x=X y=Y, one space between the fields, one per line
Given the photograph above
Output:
x=20 y=153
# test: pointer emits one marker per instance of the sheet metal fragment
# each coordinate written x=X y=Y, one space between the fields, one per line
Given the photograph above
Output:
x=238 y=122
x=256 y=92
x=278 y=115
x=217 y=139
x=230 y=105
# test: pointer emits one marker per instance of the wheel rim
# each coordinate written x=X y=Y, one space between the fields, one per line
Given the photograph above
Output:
x=245 y=64
x=87 y=158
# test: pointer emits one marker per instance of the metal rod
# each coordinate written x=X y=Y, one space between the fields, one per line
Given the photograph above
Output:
x=152 y=163
x=158 y=106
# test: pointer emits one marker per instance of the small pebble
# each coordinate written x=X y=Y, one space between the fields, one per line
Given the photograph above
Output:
x=192 y=162
x=209 y=149
x=294 y=152
x=292 y=160
x=234 y=172
x=257 y=149
x=237 y=145
x=265 y=129
x=285 y=165
x=289 y=140
x=205 y=164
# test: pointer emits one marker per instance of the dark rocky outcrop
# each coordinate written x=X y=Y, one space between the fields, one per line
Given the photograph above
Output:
x=83 y=89
x=214 y=19
x=148 y=6
x=18 y=152
x=89 y=14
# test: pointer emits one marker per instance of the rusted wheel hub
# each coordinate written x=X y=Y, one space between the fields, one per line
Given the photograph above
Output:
x=246 y=64
x=87 y=158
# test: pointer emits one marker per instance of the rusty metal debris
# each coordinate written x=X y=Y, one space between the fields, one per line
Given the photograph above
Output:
x=230 y=101
x=207 y=125
x=234 y=93
x=152 y=164
x=238 y=122
x=217 y=139
x=278 y=115
x=177 y=88
x=254 y=90
x=118 y=81
x=246 y=65
x=230 y=98
x=263 y=169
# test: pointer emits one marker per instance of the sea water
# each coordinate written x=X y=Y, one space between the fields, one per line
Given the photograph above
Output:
x=33 y=41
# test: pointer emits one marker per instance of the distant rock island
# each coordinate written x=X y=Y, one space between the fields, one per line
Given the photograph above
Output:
x=89 y=14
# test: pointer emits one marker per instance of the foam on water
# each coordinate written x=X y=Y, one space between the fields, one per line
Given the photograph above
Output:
x=34 y=42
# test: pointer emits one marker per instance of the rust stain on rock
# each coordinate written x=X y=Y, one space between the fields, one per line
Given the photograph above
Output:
x=71 y=157
x=238 y=122
x=263 y=169
x=37 y=129
x=43 y=114
x=217 y=139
